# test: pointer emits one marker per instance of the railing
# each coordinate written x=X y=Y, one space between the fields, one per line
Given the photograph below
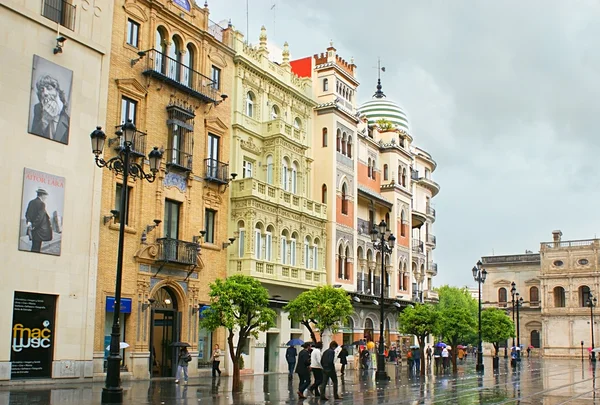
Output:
x=61 y=12
x=417 y=246
x=194 y=83
x=216 y=171
x=414 y=175
x=569 y=243
x=430 y=211
x=282 y=273
x=177 y=251
x=432 y=268
x=215 y=30
x=431 y=239
x=139 y=143
x=511 y=258
x=179 y=159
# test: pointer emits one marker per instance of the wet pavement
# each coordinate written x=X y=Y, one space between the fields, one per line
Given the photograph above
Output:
x=535 y=381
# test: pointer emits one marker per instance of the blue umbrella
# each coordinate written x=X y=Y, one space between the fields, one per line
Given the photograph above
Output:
x=295 y=342
x=440 y=344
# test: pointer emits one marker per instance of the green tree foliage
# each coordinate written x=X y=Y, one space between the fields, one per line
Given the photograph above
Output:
x=421 y=321
x=496 y=327
x=457 y=311
x=322 y=308
x=239 y=304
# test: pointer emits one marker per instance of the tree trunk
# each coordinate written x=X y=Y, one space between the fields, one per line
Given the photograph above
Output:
x=454 y=353
x=310 y=330
x=235 y=357
x=422 y=359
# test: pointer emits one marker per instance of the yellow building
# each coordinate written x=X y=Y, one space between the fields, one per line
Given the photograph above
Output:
x=54 y=87
x=171 y=69
x=280 y=229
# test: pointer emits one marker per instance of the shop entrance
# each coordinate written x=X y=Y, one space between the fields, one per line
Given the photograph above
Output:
x=165 y=329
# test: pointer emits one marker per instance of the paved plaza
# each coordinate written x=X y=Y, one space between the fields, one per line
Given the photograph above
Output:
x=535 y=381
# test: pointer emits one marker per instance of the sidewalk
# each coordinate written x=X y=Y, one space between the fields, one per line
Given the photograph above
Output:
x=535 y=381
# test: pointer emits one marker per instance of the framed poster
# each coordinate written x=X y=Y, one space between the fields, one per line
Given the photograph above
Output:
x=32 y=343
x=42 y=209
x=50 y=100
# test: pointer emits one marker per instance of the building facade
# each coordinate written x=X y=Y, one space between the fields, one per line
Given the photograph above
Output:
x=365 y=177
x=171 y=71
x=54 y=80
x=280 y=228
x=569 y=278
x=524 y=271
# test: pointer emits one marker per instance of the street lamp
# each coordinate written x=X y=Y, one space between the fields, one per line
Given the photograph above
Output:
x=121 y=164
x=519 y=304
x=479 y=275
x=383 y=241
x=591 y=302
x=513 y=291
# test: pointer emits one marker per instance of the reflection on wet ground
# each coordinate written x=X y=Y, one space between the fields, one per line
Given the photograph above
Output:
x=534 y=382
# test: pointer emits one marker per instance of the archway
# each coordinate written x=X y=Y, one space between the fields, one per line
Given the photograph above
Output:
x=369 y=330
x=165 y=321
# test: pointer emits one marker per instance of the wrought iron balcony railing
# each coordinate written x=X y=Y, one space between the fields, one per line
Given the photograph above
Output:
x=430 y=211
x=177 y=251
x=61 y=12
x=417 y=246
x=179 y=159
x=216 y=171
x=175 y=73
x=139 y=143
x=414 y=175
x=431 y=239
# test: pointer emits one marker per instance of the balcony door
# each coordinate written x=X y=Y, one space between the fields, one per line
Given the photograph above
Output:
x=171 y=228
x=213 y=156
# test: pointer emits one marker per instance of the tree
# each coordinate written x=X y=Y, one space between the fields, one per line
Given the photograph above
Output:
x=240 y=304
x=323 y=308
x=496 y=327
x=421 y=321
x=385 y=125
x=457 y=320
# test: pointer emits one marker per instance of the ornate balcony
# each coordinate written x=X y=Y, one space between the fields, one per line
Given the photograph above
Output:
x=179 y=159
x=431 y=240
x=280 y=274
x=430 y=212
x=417 y=246
x=216 y=171
x=177 y=252
x=432 y=268
x=430 y=185
x=138 y=148
x=178 y=75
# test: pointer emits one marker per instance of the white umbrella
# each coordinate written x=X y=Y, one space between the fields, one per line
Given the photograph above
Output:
x=596 y=350
x=122 y=345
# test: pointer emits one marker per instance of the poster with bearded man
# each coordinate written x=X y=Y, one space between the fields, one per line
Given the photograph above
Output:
x=49 y=103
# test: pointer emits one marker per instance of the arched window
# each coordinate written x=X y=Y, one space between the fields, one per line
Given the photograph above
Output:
x=250 y=104
x=385 y=172
x=534 y=296
x=307 y=248
x=584 y=295
x=258 y=242
x=369 y=330
x=274 y=112
x=283 y=248
x=294 y=179
x=175 y=59
x=338 y=141
x=315 y=255
x=344 y=199
x=324 y=194
x=559 y=297
x=270 y=169
x=369 y=168
x=344 y=143
x=349 y=147
x=404 y=177
x=402 y=224
x=340 y=263
x=324 y=137
x=293 y=249
x=188 y=66
x=502 y=297
x=284 y=175
x=159 y=45
x=241 y=239
x=297 y=123
x=347 y=264
x=325 y=84
x=269 y=243
x=535 y=339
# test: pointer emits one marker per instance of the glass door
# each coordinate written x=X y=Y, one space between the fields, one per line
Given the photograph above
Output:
x=213 y=156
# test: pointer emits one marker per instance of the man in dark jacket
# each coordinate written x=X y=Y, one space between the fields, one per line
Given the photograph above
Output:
x=328 y=363
x=303 y=370
x=290 y=357
x=38 y=221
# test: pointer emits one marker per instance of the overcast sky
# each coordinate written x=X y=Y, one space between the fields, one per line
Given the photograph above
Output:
x=505 y=95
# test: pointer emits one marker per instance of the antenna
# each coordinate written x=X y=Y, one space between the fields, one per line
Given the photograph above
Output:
x=273 y=7
x=379 y=93
x=247 y=24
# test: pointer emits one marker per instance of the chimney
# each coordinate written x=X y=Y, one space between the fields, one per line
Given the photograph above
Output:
x=556 y=237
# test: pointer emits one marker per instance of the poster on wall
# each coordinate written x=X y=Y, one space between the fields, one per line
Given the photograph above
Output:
x=32 y=343
x=42 y=212
x=50 y=100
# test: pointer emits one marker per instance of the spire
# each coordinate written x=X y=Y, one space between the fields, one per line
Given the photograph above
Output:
x=263 y=38
x=379 y=93
x=285 y=55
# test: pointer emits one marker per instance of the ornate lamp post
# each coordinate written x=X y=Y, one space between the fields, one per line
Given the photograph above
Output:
x=591 y=302
x=513 y=291
x=519 y=304
x=383 y=241
x=121 y=164
x=479 y=275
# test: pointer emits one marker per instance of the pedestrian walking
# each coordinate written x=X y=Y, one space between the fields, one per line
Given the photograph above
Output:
x=303 y=370
x=343 y=356
x=417 y=360
x=393 y=354
x=528 y=351
x=290 y=357
x=445 y=358
x=364 y=358
x=183 y=359
x=429 y=352
x=316 y=368
x=328 y=364
x=216 y=360
x=437 y=358
x=409 y=360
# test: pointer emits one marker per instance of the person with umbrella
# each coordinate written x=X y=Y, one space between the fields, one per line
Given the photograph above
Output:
x=182 y=364
x=290 y=357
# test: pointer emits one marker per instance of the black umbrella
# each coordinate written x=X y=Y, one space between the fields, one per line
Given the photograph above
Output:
x=359 y=342
x=181 y=344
